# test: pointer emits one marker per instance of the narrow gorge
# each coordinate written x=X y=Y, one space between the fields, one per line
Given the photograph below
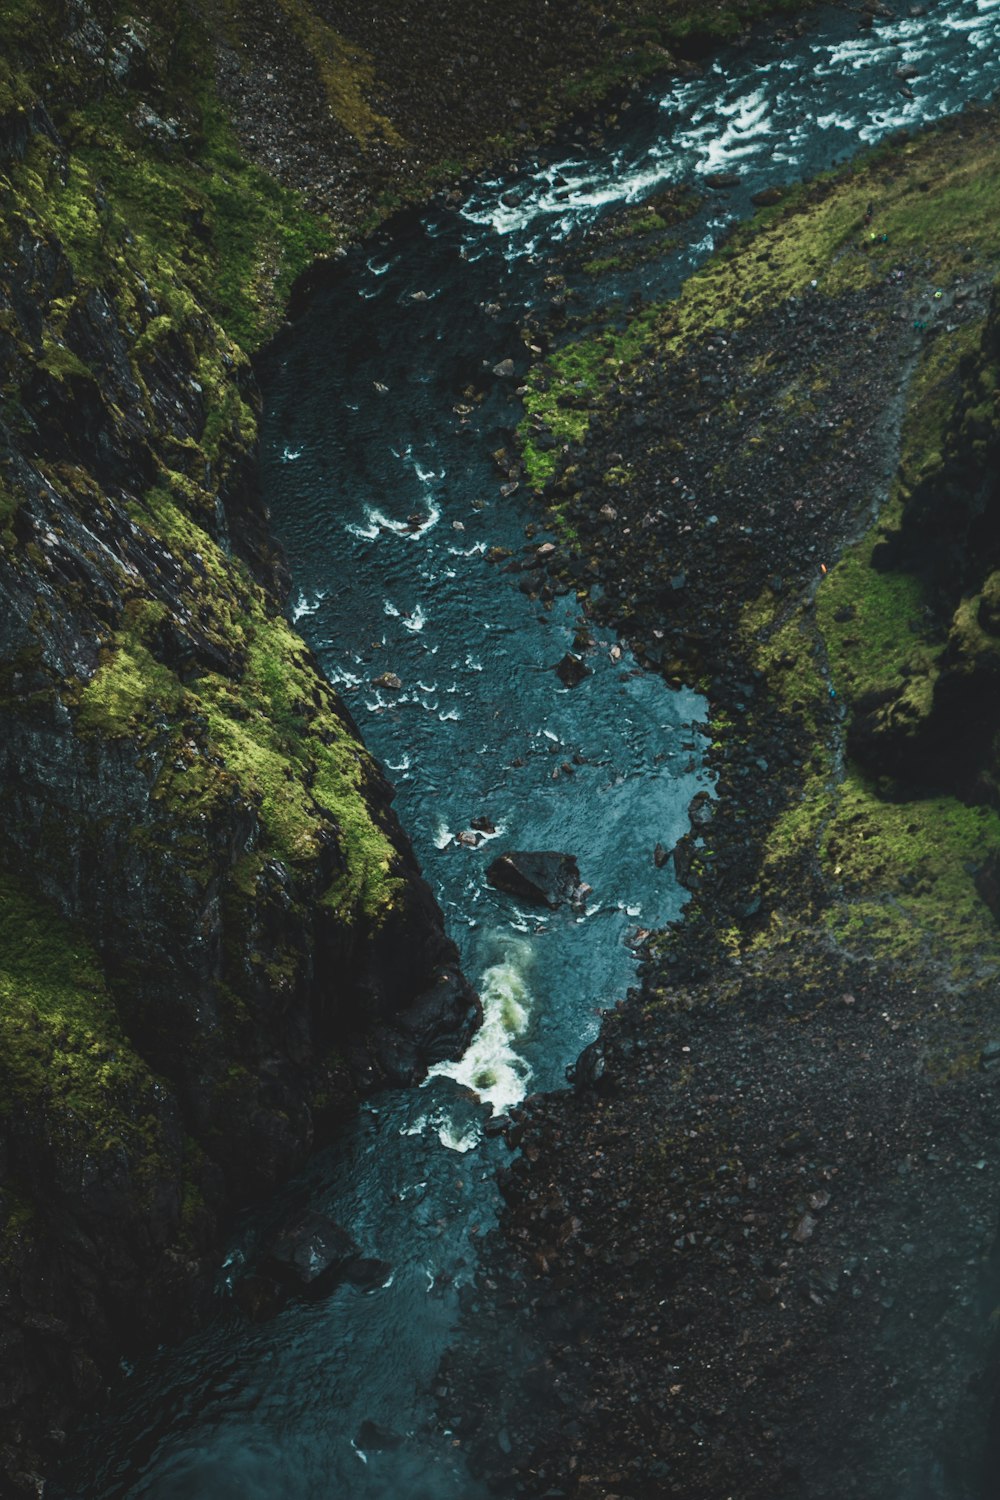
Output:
x=584 y=416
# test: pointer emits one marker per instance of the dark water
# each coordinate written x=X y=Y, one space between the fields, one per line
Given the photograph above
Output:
x=377 y=465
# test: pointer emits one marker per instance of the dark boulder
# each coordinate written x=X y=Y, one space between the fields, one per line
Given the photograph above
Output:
x=374 y=1438
x=572 y=670
x=259 y=1297
x=310 y=1254
x=683 y=854
x=543 y=878
x=367 y=1272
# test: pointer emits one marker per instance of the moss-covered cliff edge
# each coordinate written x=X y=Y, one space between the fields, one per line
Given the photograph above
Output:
x=214 y=930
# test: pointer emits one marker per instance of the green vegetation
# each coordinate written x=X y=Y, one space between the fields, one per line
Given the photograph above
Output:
x=815 y=238
x=903 y=868
x=347 y=74
x=63 y=1056
x=268 y=731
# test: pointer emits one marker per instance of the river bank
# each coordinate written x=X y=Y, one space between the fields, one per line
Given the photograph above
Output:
x=756 y=1244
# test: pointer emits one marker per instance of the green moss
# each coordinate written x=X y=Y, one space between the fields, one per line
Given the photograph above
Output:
x=882 y=641
x=346 y=72
x=268 y=731
x=298 y=761
x=815 y=238
x=62 y=1050
x=131 y=692
x=907 y=873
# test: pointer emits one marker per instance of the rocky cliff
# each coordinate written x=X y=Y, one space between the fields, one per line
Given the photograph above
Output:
x=214 y=930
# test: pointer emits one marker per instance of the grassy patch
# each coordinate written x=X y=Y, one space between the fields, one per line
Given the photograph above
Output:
x=816 y=238
x=907 y=873
x=346 y=72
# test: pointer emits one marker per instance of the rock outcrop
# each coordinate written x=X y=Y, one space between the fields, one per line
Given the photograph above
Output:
x=214 y=931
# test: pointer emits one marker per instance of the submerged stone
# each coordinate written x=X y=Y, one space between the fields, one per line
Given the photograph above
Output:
x=572 y=670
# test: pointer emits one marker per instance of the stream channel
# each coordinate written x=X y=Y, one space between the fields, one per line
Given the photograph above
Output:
x=377 y=466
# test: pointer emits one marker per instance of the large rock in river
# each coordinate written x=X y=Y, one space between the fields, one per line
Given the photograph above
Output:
x=310 y=1253
x=544 y=878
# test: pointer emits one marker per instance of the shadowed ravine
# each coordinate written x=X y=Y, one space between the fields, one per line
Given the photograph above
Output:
x=379 y=471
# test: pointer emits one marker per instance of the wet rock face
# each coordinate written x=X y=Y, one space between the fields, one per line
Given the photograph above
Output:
x=213 y=927
x=310 y=1252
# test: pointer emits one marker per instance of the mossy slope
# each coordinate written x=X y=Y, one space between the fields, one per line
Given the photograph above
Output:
x=210 y=914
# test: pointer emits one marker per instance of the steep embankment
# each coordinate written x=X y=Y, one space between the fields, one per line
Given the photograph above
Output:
x=212 y=927
x=759 y=1238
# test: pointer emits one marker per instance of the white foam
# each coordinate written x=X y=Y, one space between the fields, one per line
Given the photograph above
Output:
x=381 y=270
x=289 y=455
x=491 y=1067
x=304 y=605
x=377 y=523
x=458 y=1138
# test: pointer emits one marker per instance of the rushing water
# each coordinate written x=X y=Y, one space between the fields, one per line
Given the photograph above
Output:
x=381 y=422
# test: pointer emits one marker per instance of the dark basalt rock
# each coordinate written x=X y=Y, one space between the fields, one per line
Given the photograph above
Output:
x=367 y=1272
x=544 y=878
x=572 y=670
x=259 y=1297
x=309 y=1254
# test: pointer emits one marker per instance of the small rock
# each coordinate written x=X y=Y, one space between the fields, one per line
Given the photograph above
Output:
x=374 y=1438
x=720 y=180
x=308 y=1252
x=504 y=369
x=572 y=670
x=367 y=1272
x=803 y=1230
x=660 y=856
x=389 y=680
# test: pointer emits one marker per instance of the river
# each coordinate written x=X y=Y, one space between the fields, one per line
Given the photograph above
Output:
x=383 y=414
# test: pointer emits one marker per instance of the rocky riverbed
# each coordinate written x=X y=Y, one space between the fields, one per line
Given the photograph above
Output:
x=754 y=1249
